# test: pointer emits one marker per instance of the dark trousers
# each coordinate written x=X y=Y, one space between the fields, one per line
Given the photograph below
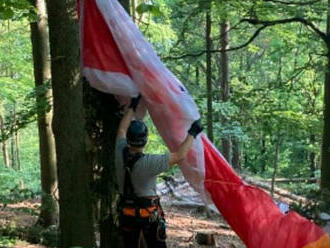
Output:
x=154 y=235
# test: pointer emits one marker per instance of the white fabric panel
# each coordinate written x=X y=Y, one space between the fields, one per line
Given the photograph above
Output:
x=113 y=82
x=168 y=102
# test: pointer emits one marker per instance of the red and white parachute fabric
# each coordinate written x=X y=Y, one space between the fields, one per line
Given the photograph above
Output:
x=115 y=58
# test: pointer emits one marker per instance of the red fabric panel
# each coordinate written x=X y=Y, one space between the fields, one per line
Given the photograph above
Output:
x=250 y=212
x=99 y=48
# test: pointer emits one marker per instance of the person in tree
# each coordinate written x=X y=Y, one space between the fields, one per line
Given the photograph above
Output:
x=139 y=207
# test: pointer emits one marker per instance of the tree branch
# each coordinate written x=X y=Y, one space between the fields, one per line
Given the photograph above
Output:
x=256 y=33
x=289 y=20
x=293 y=2
x=264 y=24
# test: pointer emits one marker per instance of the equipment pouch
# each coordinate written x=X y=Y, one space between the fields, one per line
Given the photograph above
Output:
x=161 y=230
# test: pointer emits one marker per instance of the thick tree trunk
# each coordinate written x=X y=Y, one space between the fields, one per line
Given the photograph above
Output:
x=325 y=156
x=109 y=117
x=102 y=115
x=4 y=144
x=39 y=38
x=209 y=76
x=224 y=83
x=74 y=171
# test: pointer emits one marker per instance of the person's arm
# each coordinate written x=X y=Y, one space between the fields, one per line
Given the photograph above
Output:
x=124 y=124
x=127 y=118
x=185 y=146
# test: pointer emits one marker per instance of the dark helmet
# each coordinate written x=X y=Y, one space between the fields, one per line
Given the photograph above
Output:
x=137 y=134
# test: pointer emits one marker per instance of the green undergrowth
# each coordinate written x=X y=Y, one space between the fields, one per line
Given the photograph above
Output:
x=17 y=186
x=10 y=235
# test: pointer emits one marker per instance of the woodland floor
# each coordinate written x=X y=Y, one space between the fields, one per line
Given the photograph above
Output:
x=182 y=225
x=184 y=212
x=183 y=221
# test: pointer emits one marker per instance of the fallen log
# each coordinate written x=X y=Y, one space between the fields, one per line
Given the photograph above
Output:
x=278 y=191
x=291 y=180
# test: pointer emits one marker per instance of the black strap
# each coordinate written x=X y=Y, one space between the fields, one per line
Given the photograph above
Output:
x=129 y=161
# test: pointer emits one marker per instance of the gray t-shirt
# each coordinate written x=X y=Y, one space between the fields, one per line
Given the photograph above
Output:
x=144 y=173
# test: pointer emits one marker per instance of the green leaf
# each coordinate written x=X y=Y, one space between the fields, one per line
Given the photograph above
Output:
x=6 y=14
x=151 y=8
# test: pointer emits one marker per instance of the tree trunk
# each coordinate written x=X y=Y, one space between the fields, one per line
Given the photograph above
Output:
x=109 y=119
x=277 y=150
x=12 y=140
x=126 y=5
x=74 y=171
x=134 y=5
x=197 y=75
x=236 y=159
x=224 y=83
x=263 y=154
x=12 y=153
x=325 y=156
x=102 y=115
x=209 y=76
x=39 y=38
x=4 y=144
x=312 y=163
x=17 y=156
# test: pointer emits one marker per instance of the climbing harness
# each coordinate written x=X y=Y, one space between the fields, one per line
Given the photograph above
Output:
x=134 y=210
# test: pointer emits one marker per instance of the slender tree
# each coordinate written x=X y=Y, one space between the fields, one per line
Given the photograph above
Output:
x=209 y=75
x=325 y=154
x=4 y=144
x=17 y=150
x=74 y=171
x=40 y=49
x=224 y=82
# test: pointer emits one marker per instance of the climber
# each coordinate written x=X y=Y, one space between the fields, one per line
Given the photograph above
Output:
x=139 y=207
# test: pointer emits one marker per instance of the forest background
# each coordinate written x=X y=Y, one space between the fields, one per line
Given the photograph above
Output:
x=258 y=71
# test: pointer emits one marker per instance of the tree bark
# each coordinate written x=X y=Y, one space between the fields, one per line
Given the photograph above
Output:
x=40 y=49
x=74 y=171
x=209 y=76
x=325 y=154
x=109 y=118
x=4 y=145
x=224 y=83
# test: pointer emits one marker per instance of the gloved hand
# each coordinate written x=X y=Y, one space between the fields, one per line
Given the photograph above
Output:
x=135 y=102
x=195 y=128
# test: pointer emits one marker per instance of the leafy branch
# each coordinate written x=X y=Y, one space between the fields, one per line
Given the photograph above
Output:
x=293 y=2
x=264 y=24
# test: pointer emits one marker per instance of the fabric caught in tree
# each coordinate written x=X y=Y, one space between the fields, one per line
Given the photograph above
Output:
x=117 y=59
